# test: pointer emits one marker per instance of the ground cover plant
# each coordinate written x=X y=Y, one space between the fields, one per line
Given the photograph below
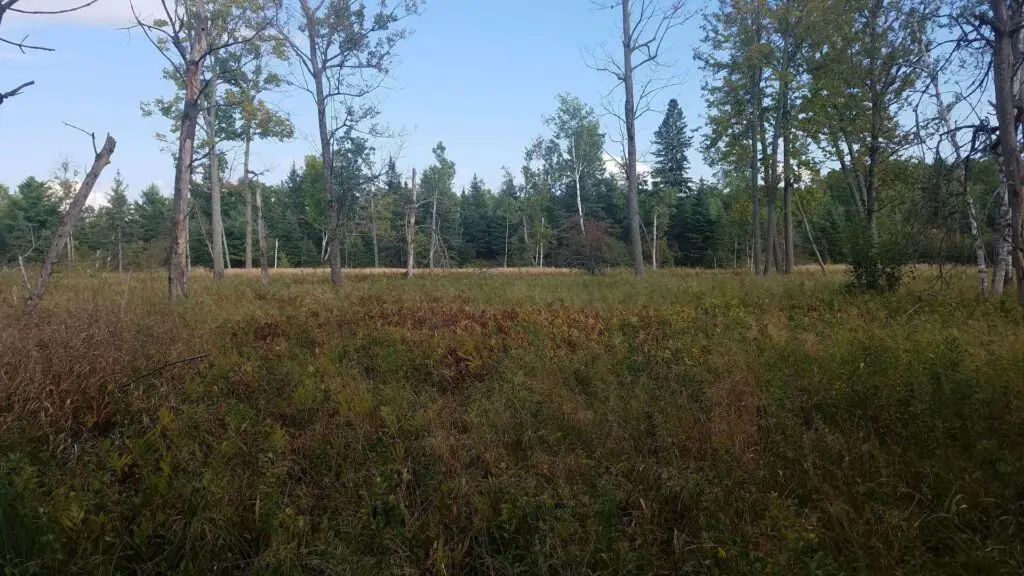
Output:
x=697 y=422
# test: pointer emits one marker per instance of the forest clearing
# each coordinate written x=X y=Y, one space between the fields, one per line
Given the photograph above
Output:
x=595 y=287
x=706 y=422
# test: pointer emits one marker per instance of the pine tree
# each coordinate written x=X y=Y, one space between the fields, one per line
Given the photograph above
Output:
x=671 y=144
x=118 y=214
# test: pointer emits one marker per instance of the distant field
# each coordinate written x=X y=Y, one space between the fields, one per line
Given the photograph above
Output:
x=401 y=271
x=699 y=422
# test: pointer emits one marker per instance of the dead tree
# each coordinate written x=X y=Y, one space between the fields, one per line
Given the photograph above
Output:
x=34 y=294
x=645 y=26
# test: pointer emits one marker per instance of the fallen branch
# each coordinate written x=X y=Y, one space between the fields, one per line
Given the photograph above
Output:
x=167 y=365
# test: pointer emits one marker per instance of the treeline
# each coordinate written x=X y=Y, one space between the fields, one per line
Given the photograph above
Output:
x=564 y=207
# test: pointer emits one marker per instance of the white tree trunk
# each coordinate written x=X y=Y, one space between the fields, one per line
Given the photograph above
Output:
x=541 y=242
x=373 y=228
x=262 y=231
x=410 y=232
x=654 y=243
x=248 y=203
x=216 y=221
x=579 y=195
x=227 y=255
x=433 y=229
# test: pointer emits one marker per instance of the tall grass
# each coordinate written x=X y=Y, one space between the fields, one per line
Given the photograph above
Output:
x=695 y=423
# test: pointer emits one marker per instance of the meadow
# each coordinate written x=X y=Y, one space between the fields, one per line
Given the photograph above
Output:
x=694 y=423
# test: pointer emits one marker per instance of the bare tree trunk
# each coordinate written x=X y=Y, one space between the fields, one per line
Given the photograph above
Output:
x=331 y=238
x=1003 y=67
x=755 y=198
x=579 y=195
x=807 y=228
x=654 y=243
x=33 y=296
x=248 y=201
x=506 y=241
x=433 y=229
x=227 y=254
x=1002 y=239
x=178 y=265
x=631 y=178
x=410 y=232
x=979 y=245
x=373 y=229
x=771 y=257
x=120 y=253
x=275 y=253
x=787 y=184
x=541 y=242
x=216 y=222
x=262 y=231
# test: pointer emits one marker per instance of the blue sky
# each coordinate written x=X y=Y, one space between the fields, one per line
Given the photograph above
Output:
x=478 y=75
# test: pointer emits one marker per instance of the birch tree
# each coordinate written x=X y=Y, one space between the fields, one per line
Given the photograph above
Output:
x=576 y=129
x=1005 y=60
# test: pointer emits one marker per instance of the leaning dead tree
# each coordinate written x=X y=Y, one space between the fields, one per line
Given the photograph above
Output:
x=11 y=7
x=645 y=26
x=34 y=294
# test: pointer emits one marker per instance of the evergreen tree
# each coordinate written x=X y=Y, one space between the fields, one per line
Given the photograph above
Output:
x=152 y=212
x=694 y=233
x=116 y=216
x=33 y=214
x=477 y=222
x=671 y=144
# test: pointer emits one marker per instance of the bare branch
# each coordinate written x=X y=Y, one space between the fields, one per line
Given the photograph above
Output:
x=11 y=93
x=91 y=135
x=51 y=12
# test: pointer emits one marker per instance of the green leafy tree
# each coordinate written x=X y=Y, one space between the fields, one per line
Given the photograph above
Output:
x=576 y=130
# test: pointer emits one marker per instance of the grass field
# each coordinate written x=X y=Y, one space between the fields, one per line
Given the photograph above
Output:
x=695 y=423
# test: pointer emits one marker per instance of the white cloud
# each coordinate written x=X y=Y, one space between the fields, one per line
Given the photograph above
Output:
x=102 y=13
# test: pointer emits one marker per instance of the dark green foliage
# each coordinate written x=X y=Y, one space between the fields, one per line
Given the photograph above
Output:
x=876 y=265
x=694 y=232
x=479 y=225
x=31 y=217
x=670 y=148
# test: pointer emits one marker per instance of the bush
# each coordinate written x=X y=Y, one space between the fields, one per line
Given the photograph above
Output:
x=595 y=251
x=876 y=265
